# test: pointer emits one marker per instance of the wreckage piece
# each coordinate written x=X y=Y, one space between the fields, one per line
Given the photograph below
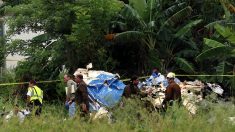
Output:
x=156 y=96
x=191 y=92
x=104 y=88
x=189 y=102
x=101 y=113
x=216 y=88
x=232 y=120
x=192 y=85
x=199 y=86
x=190 y=99
x=21 y=115
x=191 y=107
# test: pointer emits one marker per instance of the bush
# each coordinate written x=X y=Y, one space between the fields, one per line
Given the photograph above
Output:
x=132 y=117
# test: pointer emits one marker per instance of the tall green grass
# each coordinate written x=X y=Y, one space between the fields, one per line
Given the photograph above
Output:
x=132 y=117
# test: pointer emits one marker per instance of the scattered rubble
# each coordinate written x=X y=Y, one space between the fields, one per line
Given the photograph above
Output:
x=191 y=92
x=20 y=114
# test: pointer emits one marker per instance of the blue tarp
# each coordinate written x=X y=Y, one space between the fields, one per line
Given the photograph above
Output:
x=106 y=89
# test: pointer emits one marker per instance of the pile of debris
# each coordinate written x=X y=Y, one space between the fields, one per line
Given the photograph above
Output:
x=104 y=90
x=192 y=93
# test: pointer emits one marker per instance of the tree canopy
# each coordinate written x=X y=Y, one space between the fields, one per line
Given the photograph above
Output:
x=129 y=37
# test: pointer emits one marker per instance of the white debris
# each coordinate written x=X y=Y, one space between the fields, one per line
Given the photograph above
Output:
x=89 y=75
x=101 y=113
x=20 y=114
x=216 y=88
x=232 y=120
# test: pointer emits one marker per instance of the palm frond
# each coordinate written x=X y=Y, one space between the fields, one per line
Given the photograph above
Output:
x=184 y=65
x=226 y=33
x=139 y=5
x=119 y=24
x=179 y=16
x=149 y=10
x=220 y=70
x=128 y=35
x=183 y=31
x=169 y=11
x=221 y=50
x=189 y=43
x=212 y=24
x=212 y=43
x=150 y=41
x=130 y=13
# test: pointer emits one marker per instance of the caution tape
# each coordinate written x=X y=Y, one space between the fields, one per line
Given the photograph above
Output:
x=124 y=80
x=205 y=75
x=128 y=79
x=20 y=83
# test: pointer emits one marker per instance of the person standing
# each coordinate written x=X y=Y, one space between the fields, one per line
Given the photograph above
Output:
x=81 y=95
x=34 y=97
x=71 y=86
x=70 y=94
x=132 y=89
x=172 y=92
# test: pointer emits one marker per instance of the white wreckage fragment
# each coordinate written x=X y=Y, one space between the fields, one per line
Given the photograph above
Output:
x=216 y=88
x=232 y=120
x=189 y=98
x=101 y=113
x=20 y=115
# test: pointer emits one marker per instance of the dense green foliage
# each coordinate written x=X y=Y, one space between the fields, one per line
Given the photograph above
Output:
x=133 y=117
x=183 y=36
x=2 y=45
x=2 y=52
x=175 y=35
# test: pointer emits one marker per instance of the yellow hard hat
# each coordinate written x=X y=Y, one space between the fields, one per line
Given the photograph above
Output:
x=170 y=75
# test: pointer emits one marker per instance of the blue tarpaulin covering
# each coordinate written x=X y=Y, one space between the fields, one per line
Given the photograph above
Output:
x=106 y=89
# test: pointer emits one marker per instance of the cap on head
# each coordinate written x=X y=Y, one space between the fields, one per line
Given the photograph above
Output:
x=170 y=75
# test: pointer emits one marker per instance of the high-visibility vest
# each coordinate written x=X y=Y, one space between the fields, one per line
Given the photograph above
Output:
x=36 y=93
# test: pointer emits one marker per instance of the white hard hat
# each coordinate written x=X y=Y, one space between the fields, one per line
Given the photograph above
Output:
x=170 y=75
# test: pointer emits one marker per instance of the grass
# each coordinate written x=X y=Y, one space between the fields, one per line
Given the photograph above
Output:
x=132 y=117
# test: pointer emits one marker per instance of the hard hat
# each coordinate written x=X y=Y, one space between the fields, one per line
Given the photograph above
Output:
x=170 y=75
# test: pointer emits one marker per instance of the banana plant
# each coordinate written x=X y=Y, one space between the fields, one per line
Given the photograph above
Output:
x=139 y=14
x=228 y=17
x=222 y=53
x=143 y=16
x=148 y=22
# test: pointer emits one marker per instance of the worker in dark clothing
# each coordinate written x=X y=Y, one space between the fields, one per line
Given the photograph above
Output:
x=173 y=91
x=81 y=95
x=132 y=88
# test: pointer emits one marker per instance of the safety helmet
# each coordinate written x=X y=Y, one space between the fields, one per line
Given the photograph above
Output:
x=170 y=75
